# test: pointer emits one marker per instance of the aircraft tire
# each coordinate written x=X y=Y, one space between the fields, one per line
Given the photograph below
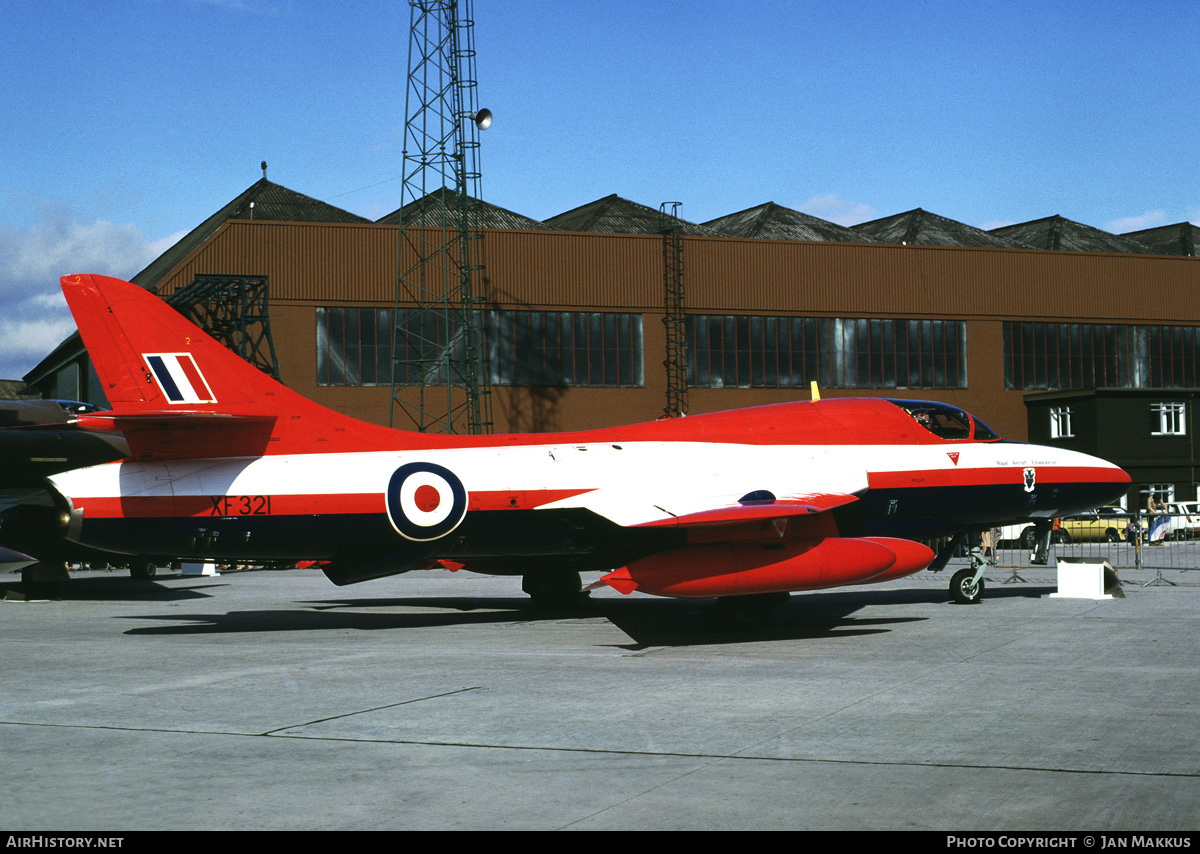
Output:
x=554 y=588
x=142 y=568
x=963 y=588
x=749 y=610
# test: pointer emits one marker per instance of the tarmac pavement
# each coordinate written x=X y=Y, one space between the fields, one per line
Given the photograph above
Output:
x=275 y=700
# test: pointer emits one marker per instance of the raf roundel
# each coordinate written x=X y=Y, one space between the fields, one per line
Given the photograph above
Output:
x=425 y=501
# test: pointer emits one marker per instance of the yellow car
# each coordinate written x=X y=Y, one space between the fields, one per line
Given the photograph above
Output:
x=1104 y=524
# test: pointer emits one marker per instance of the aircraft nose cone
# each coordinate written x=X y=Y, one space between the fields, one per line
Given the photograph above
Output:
x=1071 y=482
x=1099 y=484
x=1115 y=485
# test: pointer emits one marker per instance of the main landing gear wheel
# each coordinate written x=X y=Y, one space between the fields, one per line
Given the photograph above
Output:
x=554 y=589
x=142 y=568
x=749 y=610
x=964 y=588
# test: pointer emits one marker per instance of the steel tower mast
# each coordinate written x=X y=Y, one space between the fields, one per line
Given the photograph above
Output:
x=440 y=379
x=674 y=317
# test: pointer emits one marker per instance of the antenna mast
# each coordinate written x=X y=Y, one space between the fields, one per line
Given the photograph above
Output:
x=674 y=318
x=440 y=379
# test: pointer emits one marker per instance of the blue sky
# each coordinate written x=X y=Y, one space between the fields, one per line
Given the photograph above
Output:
x=128 y=123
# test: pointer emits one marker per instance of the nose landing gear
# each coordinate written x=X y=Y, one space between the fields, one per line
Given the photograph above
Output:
x=966 y=586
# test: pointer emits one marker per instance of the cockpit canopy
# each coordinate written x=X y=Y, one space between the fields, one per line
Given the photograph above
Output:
x=946 y=421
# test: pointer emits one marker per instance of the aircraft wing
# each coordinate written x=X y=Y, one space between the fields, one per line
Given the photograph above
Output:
x=36 y=496
x=13 y=558
x=31 y=452
x=748 y=509
x=686 y=509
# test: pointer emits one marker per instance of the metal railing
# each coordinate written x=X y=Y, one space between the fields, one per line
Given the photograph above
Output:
x=1178 y=548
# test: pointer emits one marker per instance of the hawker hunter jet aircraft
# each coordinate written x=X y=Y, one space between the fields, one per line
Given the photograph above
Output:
x=227 y=464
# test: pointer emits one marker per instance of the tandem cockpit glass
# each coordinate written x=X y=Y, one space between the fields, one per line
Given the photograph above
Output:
x=946 y=421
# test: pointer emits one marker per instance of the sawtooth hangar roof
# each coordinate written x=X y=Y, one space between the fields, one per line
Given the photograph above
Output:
x=921 y=228
x=770 y=221
x=1058 y=233
x=615 y=215
x=261 y=200
x=428 y=210
x=1182 y=238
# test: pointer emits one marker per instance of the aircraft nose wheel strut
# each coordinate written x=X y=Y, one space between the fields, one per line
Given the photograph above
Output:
x=967 y=585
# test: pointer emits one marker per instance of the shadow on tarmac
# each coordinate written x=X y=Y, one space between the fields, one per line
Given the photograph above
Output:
x=647 y=622
x=107 y=588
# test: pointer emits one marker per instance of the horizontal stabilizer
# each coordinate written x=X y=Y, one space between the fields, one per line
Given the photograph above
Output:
x=119 y=422
x=184 y=434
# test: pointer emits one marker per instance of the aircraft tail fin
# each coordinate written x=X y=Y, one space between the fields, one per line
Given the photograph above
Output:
x=161 y=373
x=150 y=357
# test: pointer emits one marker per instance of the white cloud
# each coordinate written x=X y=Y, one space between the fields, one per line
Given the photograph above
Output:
x=1137 y=223
x=24 y=343
x=996 y=223
x=841 y=211
x=33 y=314
x=158 y=247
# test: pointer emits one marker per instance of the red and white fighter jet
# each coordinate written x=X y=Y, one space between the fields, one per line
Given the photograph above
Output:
x=228 y=464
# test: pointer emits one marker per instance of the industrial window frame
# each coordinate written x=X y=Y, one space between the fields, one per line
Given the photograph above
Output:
x=1063 y=356
x=755 y=351
x=524 y=348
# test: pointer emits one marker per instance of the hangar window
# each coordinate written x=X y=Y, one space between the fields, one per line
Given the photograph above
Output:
x=744 y=351
x=1057 y=356
x=524 y=348
x=565 y=348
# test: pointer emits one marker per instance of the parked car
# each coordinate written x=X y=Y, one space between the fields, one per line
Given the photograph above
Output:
x=1021 y=536
x=1104 y=524
x=1185 y=520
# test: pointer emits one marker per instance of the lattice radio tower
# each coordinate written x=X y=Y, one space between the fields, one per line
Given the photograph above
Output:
x=674 y=317
x=440 y=378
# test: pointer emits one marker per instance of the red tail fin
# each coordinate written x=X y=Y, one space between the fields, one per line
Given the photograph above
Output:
x=149 y=357
x=159 y=370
